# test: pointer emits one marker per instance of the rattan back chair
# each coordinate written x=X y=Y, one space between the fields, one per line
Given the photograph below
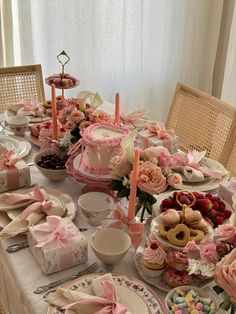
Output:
x=204 y=122
x=20 y=82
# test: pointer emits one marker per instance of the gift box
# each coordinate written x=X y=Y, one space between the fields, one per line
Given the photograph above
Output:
x=57 y=244
x=148 y=138
x=14 y=172
x=226 y=191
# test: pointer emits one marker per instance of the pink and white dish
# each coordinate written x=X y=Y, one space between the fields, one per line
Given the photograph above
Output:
x=62 y=81
x=101 y=142
x=135 y=295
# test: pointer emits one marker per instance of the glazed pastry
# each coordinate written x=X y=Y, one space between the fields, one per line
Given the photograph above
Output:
x=192 y=216
x=170 y=217
x=200 y=225
x=179 y=236
x=177 y=260
x=176 y=278
x=196 y=235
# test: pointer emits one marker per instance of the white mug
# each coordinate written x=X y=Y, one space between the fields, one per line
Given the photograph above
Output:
x=16 y=124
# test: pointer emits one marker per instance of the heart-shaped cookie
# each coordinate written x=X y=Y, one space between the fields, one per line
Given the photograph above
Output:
x=163 y=229
x=170 y=217
x=179 y=235
x=192 y=215
x=196 y=235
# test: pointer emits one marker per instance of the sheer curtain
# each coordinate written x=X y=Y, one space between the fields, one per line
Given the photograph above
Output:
x=140 y=48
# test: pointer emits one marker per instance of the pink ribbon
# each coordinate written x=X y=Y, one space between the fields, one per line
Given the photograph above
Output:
x=9 y=159
x=160 y=131
x=133 y=228
x=109 y=302
x=54 y=230
x=30 y=105
x=40 y=202
x=75 y=147
x=212 y=173
x=131 y=117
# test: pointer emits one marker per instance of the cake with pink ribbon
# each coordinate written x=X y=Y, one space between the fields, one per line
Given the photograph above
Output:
x=101 y=142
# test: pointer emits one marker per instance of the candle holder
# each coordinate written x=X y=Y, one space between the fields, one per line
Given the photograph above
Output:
x=62 y=80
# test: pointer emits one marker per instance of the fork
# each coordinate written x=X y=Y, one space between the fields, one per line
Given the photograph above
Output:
x=104 y=268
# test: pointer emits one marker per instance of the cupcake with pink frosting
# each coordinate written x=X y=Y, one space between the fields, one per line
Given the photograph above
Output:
x=154 y=259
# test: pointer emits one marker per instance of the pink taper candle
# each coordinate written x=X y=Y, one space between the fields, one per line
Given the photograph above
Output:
x=117 y=110
x=133 y=187
x=54 y=114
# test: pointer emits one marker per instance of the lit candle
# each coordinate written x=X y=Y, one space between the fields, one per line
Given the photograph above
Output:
x=117 y=110
x=133 y=187
x=54 y=114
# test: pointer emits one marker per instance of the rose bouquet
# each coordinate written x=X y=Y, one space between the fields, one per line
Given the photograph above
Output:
x=216 y=258
x=152 y=178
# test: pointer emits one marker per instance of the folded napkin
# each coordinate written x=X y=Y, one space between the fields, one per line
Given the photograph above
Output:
x=193 y=175
x=103 y=300
x=41 y=205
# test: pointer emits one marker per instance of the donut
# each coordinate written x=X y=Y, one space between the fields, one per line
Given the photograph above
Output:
x=196 y=235
x=179 y=235
x=177 y=260
x=175 y=278
x=170 y=217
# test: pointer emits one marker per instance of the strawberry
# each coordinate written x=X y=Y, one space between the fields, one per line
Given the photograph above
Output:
x=219 y=220
x=198 y=195
x=183 y=199
x=221 y=205
x=167 y=203
x=203 y=204
x=209 y=196
x=227 y=213
x=215 y=199
x=215 y=205
x=163 y=209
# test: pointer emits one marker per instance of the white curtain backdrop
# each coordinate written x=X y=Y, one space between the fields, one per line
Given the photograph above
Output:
x=140 y=48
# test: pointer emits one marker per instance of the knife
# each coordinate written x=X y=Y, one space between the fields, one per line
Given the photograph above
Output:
x=23 y=245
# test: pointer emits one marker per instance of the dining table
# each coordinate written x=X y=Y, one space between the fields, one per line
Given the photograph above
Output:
x=20 y=274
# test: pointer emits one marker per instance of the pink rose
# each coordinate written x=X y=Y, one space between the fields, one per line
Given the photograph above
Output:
x=101 y=116
x=152 y=153
x=208 y=252
x=150 y=178
x=225 y=275
x=174 y=179
x=84 y=124
x=119 y=166
x=227 y=233
x=192 y=250
x=166 y=161
x=70 y=124
x=76 y=115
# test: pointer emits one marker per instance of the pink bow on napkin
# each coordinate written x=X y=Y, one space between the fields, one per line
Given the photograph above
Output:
x=40 y=202
x=211 y=173
x=32 y=105
x=9 y=159
x=54 y=230
x=136 y=115
x=134 y=229
x=160 y=130
x=109 y=302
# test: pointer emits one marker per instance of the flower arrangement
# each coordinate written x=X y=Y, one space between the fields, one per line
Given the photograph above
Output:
x=152 y=178
x=216 y=258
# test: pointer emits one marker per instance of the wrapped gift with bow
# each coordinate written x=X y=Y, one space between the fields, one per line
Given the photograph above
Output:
x=156 y=134
x=227 y=190
x=14 y=173
x=57 y=244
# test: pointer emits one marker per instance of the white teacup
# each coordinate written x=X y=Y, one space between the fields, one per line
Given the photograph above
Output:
x=17 y=124
x=95 y=206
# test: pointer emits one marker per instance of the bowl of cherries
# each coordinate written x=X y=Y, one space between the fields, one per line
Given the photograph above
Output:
x=51 y=164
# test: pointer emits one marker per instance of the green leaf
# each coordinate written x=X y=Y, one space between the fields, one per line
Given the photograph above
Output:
x=123 y=193
x=116 y=185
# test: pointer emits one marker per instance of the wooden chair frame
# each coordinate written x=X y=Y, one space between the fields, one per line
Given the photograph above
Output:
x=20 y=82
x=204 y=122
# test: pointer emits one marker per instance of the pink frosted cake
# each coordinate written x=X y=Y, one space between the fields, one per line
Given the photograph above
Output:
x=102 y=142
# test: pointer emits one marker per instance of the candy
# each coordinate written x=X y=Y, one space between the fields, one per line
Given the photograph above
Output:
x=179 y=300
x=199 y=306
x=206 y=308
x=194 y=312
x=178 y=312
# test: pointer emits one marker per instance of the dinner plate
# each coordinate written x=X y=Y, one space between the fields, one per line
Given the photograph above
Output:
x=65 y=198
x=158 y=282
x=154 y=230
x=32 y=119
x=17 y=144
x=132 y=293
x=206 y=185
x=34 y=140
x=12 y=214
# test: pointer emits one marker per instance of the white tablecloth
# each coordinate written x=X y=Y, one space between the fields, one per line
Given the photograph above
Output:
x=20 y=275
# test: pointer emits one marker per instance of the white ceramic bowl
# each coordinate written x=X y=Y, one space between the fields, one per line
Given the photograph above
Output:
x=95 y=206
x=205 y=294
x=110 y=244
x=51 y=174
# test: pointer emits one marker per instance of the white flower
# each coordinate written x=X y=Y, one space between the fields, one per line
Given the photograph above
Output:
x=126 y=183
x=194 y=266
x=65 y=141
x=197 y=267
x=207 y=270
